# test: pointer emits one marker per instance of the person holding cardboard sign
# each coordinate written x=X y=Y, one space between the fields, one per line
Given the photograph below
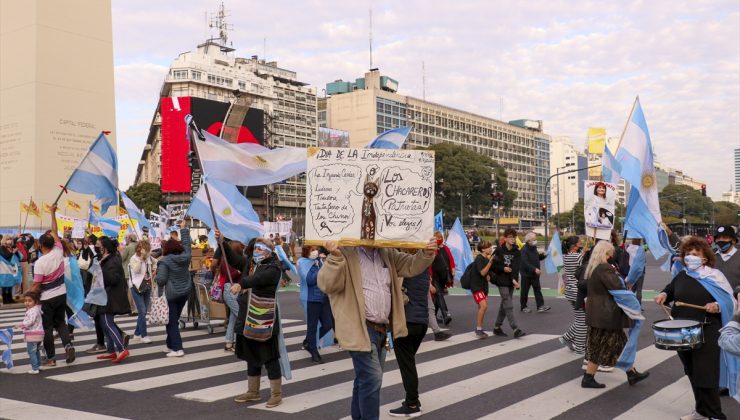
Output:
x=364 y=288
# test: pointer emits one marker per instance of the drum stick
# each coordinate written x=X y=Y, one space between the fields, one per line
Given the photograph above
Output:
x=667 y=311
x=688 y=305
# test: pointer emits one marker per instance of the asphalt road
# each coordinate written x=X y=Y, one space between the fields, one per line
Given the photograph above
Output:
x=533 y=377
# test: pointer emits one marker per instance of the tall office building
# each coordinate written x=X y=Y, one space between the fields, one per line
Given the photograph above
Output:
x=370 y=105
x=565 y=190
x=737 y=170
x=56 y=96
x=205 y=83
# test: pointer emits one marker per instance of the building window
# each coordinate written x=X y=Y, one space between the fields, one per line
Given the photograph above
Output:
x=180 y=74
x=242 y=85
x=195 y=74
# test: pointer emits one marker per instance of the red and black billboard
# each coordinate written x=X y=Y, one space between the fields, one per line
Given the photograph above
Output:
x=208 y=115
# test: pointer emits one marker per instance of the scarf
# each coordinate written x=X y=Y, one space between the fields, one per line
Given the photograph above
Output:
x=628 y=303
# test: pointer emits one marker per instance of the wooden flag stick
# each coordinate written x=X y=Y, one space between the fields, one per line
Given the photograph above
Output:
x=689 y=305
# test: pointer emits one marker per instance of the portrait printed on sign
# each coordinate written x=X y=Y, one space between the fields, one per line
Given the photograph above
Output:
x=598 y=208
x=377 y=197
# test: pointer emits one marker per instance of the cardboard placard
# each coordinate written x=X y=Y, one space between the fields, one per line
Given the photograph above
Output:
x=599 y=208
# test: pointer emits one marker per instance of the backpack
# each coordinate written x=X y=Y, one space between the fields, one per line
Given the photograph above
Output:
x=467 y=277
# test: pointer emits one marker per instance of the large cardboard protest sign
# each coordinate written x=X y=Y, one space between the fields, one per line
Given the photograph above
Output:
x=599 y=208
x=378 y=197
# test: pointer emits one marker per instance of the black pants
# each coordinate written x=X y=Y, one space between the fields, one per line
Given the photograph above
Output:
x=100 y=330
x=707 y=400
x=272 y=367
x=54 y=317
x=439 y=298
x=406 y=348
x=315 y=312
x=534 y=282
x=637 y=287
x=7 y=295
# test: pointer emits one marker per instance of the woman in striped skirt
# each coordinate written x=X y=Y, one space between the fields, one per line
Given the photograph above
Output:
x=575 y=337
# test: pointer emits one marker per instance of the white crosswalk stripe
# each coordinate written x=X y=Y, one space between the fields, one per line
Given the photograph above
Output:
x=19 y=410
x=194 y=378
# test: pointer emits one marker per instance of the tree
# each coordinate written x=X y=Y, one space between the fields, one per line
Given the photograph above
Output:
x=577 y=221
x=682 y=201
x=463 y=174
x=147 y=196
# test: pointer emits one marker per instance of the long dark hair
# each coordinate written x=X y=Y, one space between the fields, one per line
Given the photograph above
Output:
x=569 y=243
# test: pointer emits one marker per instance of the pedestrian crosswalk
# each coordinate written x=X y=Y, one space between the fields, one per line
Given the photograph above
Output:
x=463 y=372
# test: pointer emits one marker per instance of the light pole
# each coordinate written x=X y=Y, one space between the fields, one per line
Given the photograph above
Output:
x=557 y=185
x=547 y=186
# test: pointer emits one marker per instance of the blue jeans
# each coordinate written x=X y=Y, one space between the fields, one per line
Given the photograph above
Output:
x=141 y=300
x=232 y=301
x=368 y=378
x=174 y=341
x=34 y=355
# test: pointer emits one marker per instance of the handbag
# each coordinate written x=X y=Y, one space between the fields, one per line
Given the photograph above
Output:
x=260 y=318
x=159 y=314
x=217 y=293
x=84 y=263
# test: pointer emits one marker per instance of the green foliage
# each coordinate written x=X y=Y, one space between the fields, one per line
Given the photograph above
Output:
x=570 y=220
x=460 y=171
x=682 y=201
x=146 y=196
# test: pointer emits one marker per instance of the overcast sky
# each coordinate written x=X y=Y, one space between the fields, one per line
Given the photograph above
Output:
x=572 y=64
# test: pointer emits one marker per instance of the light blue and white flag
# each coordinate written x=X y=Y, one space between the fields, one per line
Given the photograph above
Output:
x=10 y=271
x=110 y=227
x=249 y=165
x=439 y=224
x=637 y=267
x=635 y=163
x=610 y=168
x=234 y=213
x=98 y=174
x=135 y=213
x=391 y=139
x=457 y=242
x=554 y=258
x=6 y=338
x=628 y=303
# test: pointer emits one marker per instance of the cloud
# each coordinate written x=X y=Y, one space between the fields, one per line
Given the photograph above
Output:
x=572 y=67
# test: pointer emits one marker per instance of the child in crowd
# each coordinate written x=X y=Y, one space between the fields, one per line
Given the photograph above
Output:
x=33 y=331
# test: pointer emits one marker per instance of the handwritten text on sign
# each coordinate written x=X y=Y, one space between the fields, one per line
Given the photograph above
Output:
x=370 y=196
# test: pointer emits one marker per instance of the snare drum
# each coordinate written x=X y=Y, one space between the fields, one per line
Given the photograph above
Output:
x=678 y=334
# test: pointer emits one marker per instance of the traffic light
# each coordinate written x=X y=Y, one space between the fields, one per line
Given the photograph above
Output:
x=497 y=199
x=704 y=190
x=544 y=209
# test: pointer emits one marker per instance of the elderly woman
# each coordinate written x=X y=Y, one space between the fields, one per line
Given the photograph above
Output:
x=173 y=276
x=699 y=284
x=530 y=272
x=605 y=320
x=262 y=281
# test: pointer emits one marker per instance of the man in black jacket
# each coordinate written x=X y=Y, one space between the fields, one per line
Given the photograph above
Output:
x=441 y=274
x=530 y=272
x=506 y=268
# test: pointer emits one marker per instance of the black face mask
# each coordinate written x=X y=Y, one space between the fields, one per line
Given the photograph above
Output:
x=610 y=260
x=723 y=246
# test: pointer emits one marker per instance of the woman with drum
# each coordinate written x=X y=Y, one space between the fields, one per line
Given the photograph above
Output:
x=701 y=293
x=605 y=319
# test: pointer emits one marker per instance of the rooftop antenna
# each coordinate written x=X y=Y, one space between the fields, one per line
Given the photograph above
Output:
x=371 y=38
x=218 y=21
x=264 y=49
x=423 y=82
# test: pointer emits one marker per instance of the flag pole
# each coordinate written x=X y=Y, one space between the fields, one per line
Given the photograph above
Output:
x=629 y=118
x=29 y=210
x=89 y=149
x=220 y=241
x=130 y=221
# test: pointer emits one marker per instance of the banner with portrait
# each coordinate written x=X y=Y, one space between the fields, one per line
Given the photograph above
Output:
x=599 y=208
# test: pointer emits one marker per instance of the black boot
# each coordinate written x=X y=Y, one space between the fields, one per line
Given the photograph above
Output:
x=633 y=376
x=588 y=381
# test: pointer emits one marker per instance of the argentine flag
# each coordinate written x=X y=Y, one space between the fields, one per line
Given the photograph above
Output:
x=135 y=213
x=457 y=242
x=247 y=164
x=234 y=213
x=554 y=258
x=610 y=168
x=391 y=139
x=439 y=225
x=97 y=174
x=635 y=162
x=109 y=227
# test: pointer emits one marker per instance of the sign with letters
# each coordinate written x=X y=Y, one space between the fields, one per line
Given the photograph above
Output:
x=374 y=197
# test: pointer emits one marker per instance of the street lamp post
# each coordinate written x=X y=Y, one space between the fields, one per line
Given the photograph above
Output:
x=547 y=186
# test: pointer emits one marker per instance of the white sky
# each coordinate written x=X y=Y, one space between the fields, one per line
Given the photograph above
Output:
x=572 y=64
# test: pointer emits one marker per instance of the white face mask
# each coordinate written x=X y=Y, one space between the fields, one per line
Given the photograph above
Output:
x=693 y=262
x=534 y=242
x=313 y=254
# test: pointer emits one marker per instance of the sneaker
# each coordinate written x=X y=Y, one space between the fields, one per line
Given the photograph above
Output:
x=605 y=368
x=499 y=332
x=566 y=343
x=50 y=363
x=146 y=340
x=481 y=334
x=543 y=309
x=441 y=336
x=526 y=310
x=97 y=348
x=122 y=355
x=693 y=416
x=167 y=350
x=126 y=339
x=406 y=410
x=519 y=333
x=137 y=338
x=108 y=356
x=70 y=352
x=33 y=372
x=178 y=353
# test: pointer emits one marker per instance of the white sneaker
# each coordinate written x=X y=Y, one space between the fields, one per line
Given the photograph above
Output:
x=605 y=368
x=33 y=372
x=178 y=353
x=146 y=340
x=167 y=350
x=693 y=416
x=137 y=338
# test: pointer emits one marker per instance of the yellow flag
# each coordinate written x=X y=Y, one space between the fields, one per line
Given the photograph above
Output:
x=72 y=205
x=24 y=208
x=34 y=209
x=122 y=211
x=47 y=208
